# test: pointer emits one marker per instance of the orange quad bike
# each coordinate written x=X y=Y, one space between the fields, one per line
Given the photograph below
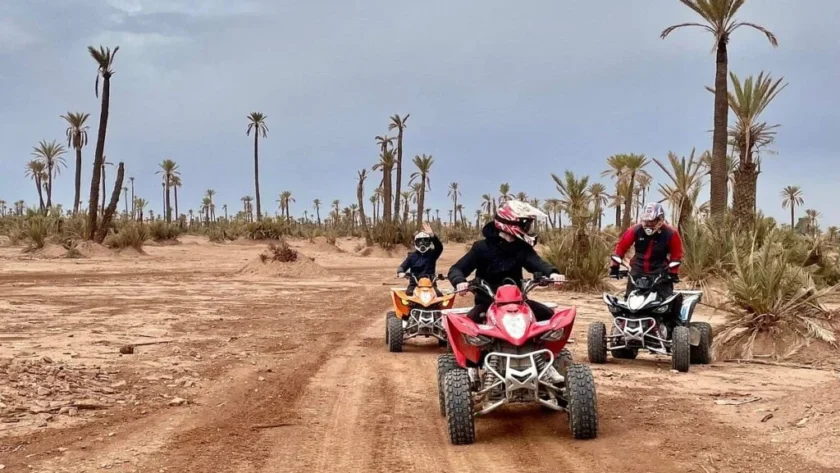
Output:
x=417 y=315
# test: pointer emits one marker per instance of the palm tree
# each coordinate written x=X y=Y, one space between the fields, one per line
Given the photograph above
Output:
x=51 y=154
x=284 y=200
x=792 y=196
x=168 y=171
x=360 y=196
x=206 y=206
x=407 y=196
x=316 y=204
x=104 y=192
x=386 y=163
x=748 y=101
x=616 y=165
x=224 y=207
x=212 y=207
x=246 y=206
x=424 y=165
x=2 y=208
x=398 y=124
x=686 y=182
x=175 y=184
x=634 y=164
x=831 y=233
x=77 y=138
x=812 y=216
x=139 y=206
x=125 y=197
x=522 y=196
x=488 y=203
x=576 y=202
x=336 y=212
x=256 y=123
x=598 y=194
x=36 y=170
x=104 y=58
x=451 y=212
x=719 y=20
x=504 y=193
x=133 y=214
x=644 y=180
x=454 y=193
x=478 y=215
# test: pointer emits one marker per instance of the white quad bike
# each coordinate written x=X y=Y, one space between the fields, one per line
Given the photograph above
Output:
x=638 y=325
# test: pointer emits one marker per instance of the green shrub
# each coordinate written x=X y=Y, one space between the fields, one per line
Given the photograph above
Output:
x=162 y=231
x=130 y=235
x=280 y=252
x=584 y=259
x=37 y=228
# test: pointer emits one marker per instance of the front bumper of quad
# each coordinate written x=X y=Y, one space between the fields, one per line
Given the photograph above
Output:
x=424 y=323
x=508 y=378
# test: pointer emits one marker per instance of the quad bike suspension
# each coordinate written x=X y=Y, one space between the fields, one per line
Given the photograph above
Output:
x=489 y=378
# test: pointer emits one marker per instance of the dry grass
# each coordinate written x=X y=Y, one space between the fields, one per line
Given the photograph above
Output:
x=279 y=252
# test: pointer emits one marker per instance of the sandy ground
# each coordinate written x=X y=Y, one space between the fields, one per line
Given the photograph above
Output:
x=246 y=372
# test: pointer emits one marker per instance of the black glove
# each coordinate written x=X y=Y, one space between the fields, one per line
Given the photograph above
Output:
x=614 y=272
x=675 y=278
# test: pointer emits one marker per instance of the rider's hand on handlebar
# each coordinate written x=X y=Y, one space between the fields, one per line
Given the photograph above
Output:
x=614 y=272
x=400 y=275
x=462 y=287
x=557 y=278
x=675 y=278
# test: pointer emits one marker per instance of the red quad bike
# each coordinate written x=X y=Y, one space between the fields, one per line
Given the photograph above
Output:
x=507 y=360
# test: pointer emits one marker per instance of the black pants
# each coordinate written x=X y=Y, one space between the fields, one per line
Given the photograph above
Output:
x=663 y=291
x=541 y=311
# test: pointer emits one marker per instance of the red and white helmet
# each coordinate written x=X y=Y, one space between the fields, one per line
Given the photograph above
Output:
x=516 y=218
x=652 y=218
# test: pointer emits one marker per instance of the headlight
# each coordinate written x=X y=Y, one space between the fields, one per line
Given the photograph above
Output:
x=661 y=309
x=553 y=335
x=445 y=303
x=515 y=324
x=613 y=309
x=425 y=297
x=478 y=341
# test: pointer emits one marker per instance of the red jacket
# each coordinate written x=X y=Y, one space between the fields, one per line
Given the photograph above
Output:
x=653 y=252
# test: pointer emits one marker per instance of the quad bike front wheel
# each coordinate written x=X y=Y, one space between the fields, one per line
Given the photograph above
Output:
x=582 y=402
x=445 y=364
x=388 y=316
x=596 y=342
x=680 y=349
x=702 y=353
x=395 y=334
x=459 y=408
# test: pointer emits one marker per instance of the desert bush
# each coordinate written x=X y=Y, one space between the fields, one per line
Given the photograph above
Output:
x=130 y=235
x=770 y=297
x=280 y=252
x=584 y=259
x=458 y=234
x=37 y=228
x=388 y=235
x=265 y=230
x=331 y=237
x=162 y=231
x=217 y=234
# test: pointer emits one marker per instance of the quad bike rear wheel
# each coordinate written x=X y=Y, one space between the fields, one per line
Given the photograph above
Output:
x=459 y=408
x=395 y=334
x=596 y=343
x=680 y=349
x=582 y=402
x=445 y=364
x=388 y=316
x=702 y=353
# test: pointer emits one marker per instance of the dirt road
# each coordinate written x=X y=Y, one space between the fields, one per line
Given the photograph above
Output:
x=265 y=374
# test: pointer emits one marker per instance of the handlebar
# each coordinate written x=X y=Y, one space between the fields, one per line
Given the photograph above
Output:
x=527 y=285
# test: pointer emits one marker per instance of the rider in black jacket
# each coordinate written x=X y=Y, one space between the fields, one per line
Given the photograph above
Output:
x=423 y=262
x=507 y=249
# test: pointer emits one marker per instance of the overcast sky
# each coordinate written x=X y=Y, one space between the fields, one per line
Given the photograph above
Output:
x=498 y=91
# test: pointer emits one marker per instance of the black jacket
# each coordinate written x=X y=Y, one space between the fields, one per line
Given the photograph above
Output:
x=423 y=264
x=494 y=259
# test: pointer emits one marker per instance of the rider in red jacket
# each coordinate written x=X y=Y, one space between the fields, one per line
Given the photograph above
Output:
x=656 y=245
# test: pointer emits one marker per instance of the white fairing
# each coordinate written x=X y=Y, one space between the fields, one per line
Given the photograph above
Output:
x=515 y=324
x=425 y=297
x=637 y=301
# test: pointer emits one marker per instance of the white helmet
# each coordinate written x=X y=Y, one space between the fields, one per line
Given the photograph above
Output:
x=423 y=242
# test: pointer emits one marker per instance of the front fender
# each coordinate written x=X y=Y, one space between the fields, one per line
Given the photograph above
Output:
x=456 y=326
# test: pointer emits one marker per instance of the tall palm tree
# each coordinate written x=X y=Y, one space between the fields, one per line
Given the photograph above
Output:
x=454 y=193
x=316 y=204
x=617 y=165
x=576 y=202
x=719 y=20
x=36 y=170
x=398 y=124
x=686 y=180
x=360 y=196
x=125 y=197
x=747 y=101
x=792 y=196
x=598 y=194
x=424 y=166
x=522 y=196
x=51 y=154
x=224 y=207
x=407 y=196
x=77 y=138
x=386 y=164
x=133 y=215
x=256 y=123
x=212 y=206
x=139 y=207
x=337 y=212
x=104 y=192
x=284 y=200
x=2 y=208
x=246 y=207
x=168 y=171
x=387 y=160
x=644 y=180
x=206 y=208
x=634 y=165
x=104 y=58
x=176 y=183
x=813 y=216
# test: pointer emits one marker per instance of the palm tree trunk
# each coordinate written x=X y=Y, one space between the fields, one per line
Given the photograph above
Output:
x=78 y=183
x=125 y=197
x=421 y=201
x=133 y=202
x=40 y=194
x=386 y=211
x=746 y=179
x=257 y=172
x=49 y=185
x=360 y=195
x=628 y=203
x=717 y=204
x=792 y=207
x=617 y=206
x=399 y=174
x=168 y=202
x=98 y=156
x=454 y=208
x=102 y=206
x=102 y=232
x=176 y=203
